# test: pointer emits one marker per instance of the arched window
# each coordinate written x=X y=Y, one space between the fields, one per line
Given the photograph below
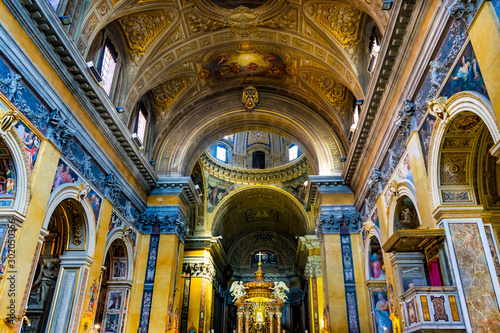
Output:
x=355 y=119
x=108 y=65
x=293 y=152
x=221 y=153
x=374 y=49
x=141 y=123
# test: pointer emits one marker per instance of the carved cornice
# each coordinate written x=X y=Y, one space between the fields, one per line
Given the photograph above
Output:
x=164 y=220
x=342 y=219
x=391 y=47
x=182 y=186
x=62 y=50
x=255 y=177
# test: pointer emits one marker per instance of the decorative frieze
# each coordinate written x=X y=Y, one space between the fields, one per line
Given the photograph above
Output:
x=464 y=10
x=164 y=223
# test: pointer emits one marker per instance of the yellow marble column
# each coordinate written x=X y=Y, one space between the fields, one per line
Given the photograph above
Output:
x=166 y=302
x=271 y=322
x=134 y=310
x=333 y=278
x=27 y=243
x=240 y=322
x=247 y=323
x=201 y=271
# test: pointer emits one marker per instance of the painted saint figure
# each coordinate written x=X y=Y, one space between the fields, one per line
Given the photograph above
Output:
x=382 y=314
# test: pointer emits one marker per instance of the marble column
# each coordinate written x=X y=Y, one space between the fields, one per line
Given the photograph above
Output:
x=247 y=322
x=271 y=322
x=278 y=322
x=240 y=322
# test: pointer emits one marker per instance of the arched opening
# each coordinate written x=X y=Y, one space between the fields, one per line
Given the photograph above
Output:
x=63 y=255
x=264 y=221
x=115 y=287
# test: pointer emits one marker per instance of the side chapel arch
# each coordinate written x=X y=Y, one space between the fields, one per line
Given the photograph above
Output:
x=456 y=105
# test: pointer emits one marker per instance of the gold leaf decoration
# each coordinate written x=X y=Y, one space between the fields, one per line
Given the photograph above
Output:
x=168 y=92
x=198 y=24
x=142 y=29
x=342 y=22
x=287 y=21
x=334 y=92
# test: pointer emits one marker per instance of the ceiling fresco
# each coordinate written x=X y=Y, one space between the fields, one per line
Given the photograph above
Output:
x=178 y=53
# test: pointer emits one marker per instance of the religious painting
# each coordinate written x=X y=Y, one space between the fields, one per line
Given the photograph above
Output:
x=496 y=6
x=95 y=201
x=439 y=67
x=114 y=300
x=242 y=64
x=119 y=269
x=404 y=171
x=374 y=218
x=93 y=294
x=258 y=214
x=115 y=222
x=412 y=312
x=425 y=134
x=30 y=141
x=412 y=281
x=112 y=323
x=3 y=260
x=466 y=75
x=381 y=312
x=64 y=175
x=217 y=189
x=376 y=260
x=7 y=173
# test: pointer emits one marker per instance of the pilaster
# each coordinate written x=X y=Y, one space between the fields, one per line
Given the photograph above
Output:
x=27 y=243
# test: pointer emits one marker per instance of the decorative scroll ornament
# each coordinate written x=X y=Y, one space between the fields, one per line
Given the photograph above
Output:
x=438 y=107
x=9 y=120
x=250 y=98
x=113 y=188
x=83 y=191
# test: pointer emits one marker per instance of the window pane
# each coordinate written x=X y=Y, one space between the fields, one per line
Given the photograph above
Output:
x=141 y=125
x=54 y=4
x=108 y=69
x=293 y=152
x=221 y=153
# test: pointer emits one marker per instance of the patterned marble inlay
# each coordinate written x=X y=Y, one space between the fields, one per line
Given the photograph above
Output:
x=477 y=284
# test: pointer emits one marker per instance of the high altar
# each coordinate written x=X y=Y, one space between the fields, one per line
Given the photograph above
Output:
x=260 y=303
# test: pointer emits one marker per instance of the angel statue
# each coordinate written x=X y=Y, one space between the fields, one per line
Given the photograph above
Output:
x=280 y=289
x=237 y=290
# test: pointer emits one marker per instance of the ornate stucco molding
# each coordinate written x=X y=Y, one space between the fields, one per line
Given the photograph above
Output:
x=199 y=269
x=341 y=219
x=255 y=177
x=164 y=220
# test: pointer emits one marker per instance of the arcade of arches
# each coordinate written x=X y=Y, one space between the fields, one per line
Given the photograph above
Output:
x=258 y=166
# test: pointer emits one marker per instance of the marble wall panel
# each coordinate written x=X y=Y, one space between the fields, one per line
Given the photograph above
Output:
x=478 y=287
